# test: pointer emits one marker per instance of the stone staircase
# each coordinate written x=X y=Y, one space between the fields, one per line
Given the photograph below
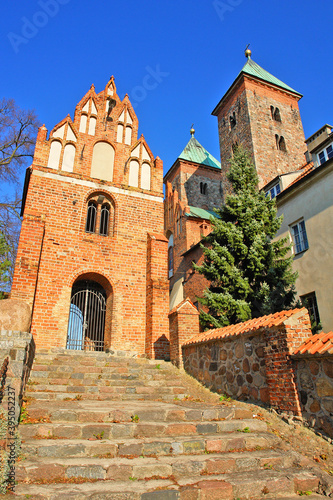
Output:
x=103 y=427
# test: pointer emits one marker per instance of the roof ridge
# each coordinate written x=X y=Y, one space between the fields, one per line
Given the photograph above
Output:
x=274 y=319
x=253 y=69
x=195 y=152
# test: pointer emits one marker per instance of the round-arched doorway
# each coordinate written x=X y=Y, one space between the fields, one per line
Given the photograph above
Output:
x=86 y=316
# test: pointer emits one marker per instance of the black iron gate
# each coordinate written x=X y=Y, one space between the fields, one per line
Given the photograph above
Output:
x=87 y=317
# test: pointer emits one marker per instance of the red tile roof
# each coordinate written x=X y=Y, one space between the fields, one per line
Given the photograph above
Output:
x=275 y=319
x=306 y=170
x=322 y=343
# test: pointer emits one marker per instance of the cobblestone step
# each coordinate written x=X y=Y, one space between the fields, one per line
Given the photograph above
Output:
x=239 y=432
x=100 y=427
x=86 y=411
x=123 y=469
x=94 y=394
x=255 y=485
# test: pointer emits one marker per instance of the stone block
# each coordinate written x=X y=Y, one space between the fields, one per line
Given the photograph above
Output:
x=161 y=495
x=194 y=446
x=328 y=367
x=152 y=470
x=87 y=472
x=306 y=482
x=15 y=314
x=187 y=468
x=220 y=466
x=119 y=472
x=156 y=448
x=209 y=428
x=53 y=472
x=180 y=429
x=215 y=490
x=130 y=450
x=324 y=387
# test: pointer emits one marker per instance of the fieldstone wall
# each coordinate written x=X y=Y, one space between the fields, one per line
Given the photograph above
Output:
x=233 y=367
x=315 y=387
x=252 y=360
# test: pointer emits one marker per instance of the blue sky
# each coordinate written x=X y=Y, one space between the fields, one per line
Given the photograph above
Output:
x=53 y=50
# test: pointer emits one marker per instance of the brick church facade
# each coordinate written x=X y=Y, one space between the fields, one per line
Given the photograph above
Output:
x=92 y=257
x=99 y=254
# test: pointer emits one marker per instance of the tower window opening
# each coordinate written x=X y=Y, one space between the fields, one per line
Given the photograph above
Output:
x=233 y=121
x=280 y=143
x=203 y=188
x=91 y=217
x=105 y=215
x=275 y=112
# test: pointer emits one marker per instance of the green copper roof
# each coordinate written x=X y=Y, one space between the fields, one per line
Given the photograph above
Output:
x=253 y=69
x=201 y=213
x=195 y=152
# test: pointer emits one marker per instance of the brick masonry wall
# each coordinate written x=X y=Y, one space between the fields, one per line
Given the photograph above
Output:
x=315 y=386
x=157 y=330
x=183 y=324
x=55 y=251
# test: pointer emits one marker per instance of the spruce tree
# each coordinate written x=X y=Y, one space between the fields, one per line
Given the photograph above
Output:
x=250 y=275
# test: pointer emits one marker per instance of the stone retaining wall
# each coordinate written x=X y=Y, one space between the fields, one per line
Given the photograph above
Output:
x=251 y=360
x=19 y=347
x=234 y=367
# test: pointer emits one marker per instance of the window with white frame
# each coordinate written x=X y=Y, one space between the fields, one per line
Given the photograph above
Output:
x=299 y=236
x=274 y=190
x=325 y=154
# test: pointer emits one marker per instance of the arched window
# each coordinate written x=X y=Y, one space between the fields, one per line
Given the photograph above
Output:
x=91 y=217
x=102 y=161
x=282 y=144
x=203 y=188
x=170 y=261
x=275 y=112
x=133 y=179
x=105 y=216
x=69 y=156
x=277 y=116
x=83 y=123
x=179 y=221
x=145 y=176
x=120 y=131
x=170 y=256
x=233 y=121
x=92 y=125
x=128 y=135
x=54 y=156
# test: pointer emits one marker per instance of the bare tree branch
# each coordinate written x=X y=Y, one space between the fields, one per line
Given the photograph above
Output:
x=18 y=130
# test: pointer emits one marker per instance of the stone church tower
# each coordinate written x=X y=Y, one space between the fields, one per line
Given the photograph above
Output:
x=261 y=113
x=92 y=258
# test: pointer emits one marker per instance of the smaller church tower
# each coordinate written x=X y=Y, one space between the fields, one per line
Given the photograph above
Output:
x=193 y=188
x=261 y=113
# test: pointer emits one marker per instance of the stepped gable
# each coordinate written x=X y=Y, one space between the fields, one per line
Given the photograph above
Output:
x=86 y=264
x=102 y=426
x=251 y=325
x=319 y=344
